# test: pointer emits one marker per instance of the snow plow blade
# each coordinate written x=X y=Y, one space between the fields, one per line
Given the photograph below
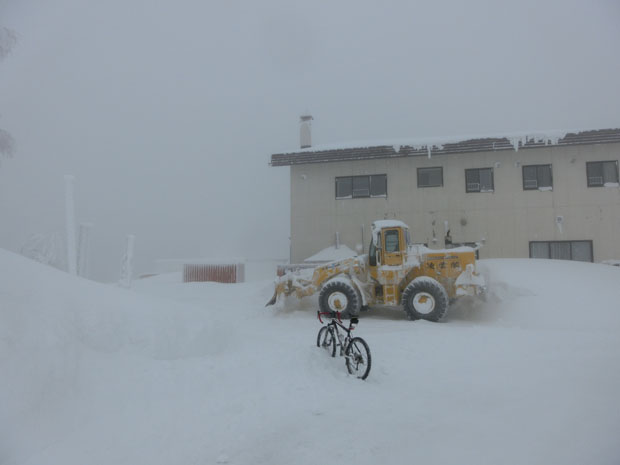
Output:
x=273 y=299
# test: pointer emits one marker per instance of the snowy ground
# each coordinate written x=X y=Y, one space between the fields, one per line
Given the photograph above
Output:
x=202 y=373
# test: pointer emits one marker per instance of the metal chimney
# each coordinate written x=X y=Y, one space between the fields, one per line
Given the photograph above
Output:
x=305 y=131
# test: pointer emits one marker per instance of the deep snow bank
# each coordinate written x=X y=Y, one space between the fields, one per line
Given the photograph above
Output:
x=191 y=373
x=52 y=325
x=552 y=294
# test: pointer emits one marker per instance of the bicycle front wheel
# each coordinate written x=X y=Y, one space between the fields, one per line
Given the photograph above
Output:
x=357 y=358
x=326 y=340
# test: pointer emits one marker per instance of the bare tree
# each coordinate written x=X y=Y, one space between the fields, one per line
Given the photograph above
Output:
x=8 y=39
x=6 y=143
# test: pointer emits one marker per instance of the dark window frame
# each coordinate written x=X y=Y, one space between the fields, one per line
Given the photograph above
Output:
x=526 y=188
x=602 y=162
x=479 y=190
x=571 y=249
x=370 y=187
x=422 y=168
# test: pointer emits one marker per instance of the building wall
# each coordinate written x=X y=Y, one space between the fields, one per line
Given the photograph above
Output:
x=508 y=218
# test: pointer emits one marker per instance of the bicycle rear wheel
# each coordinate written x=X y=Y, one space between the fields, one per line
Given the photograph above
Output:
x=327 y=340
x=357 y=358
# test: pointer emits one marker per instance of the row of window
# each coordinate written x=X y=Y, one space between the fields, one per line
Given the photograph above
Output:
x=535 y=177
x=562 y=250
x=353 y=187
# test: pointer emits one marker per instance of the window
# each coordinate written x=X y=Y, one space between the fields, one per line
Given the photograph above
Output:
x=430 y=177
x=562 y=250
x=352 y=187
x=479 y=180
x=391 y=241
x=537 y=177
x=378 y=185
x=361 y=186
x=344 y=188
x=372 y=253
x=601 y=173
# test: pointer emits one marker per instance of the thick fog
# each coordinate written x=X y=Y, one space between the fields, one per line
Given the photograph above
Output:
x=167 y=112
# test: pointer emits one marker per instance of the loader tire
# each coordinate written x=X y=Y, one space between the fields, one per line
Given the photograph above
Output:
x=425 y=299
x=339 y=296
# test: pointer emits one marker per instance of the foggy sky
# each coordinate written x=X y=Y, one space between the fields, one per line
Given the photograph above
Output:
x=167 y=112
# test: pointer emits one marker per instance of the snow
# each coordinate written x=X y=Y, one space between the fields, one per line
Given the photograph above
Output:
x=380 y=224
x=199 y=373
x=331 y=254
x=517 y=139
x=420 y=249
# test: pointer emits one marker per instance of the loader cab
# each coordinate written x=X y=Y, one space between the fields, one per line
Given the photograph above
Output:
x=389 y=246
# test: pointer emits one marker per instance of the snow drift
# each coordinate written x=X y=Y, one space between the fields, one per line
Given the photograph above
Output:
x=201 y=373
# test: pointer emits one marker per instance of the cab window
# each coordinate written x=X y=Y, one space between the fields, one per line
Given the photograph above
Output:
x=372 y=254
x=391 y=241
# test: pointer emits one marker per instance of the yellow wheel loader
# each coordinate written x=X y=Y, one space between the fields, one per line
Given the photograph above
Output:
x=395 y=272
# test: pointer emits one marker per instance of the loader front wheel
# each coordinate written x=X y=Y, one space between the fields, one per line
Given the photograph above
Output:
x=425 y=299
x=340 y=296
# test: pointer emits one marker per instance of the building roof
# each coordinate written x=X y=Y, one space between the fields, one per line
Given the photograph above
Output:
x=445 y=146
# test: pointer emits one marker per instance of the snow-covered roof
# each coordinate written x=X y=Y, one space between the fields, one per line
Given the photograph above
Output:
x=364 y=150
x=331 y=254
x=380 y=224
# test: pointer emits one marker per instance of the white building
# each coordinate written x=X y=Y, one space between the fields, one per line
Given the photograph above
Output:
x=545 y=195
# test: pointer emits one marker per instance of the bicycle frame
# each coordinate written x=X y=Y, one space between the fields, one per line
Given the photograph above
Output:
x=337 y=323
x=355 y=349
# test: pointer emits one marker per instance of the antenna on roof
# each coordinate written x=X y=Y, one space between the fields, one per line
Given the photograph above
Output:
x=305 y=131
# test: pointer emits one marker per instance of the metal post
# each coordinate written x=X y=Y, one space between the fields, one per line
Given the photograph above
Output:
x=84 y=249
x=70 y=225
x=127 y=263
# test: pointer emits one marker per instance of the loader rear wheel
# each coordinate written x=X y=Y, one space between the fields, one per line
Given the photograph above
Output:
x=425 y=299
x=339 y=296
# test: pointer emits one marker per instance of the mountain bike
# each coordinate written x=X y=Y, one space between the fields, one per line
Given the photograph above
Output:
x=354 y=349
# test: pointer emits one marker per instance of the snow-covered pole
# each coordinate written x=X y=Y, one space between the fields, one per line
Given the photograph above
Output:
x=126 y=265
x=84 y=249
x=70 y=225
x=363 y=242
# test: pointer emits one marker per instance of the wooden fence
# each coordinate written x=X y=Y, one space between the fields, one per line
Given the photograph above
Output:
x=219 y=273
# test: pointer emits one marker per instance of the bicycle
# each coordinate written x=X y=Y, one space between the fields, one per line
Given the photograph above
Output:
x=355 y=349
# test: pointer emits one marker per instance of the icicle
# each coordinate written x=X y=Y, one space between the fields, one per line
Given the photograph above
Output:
x=428 y=150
